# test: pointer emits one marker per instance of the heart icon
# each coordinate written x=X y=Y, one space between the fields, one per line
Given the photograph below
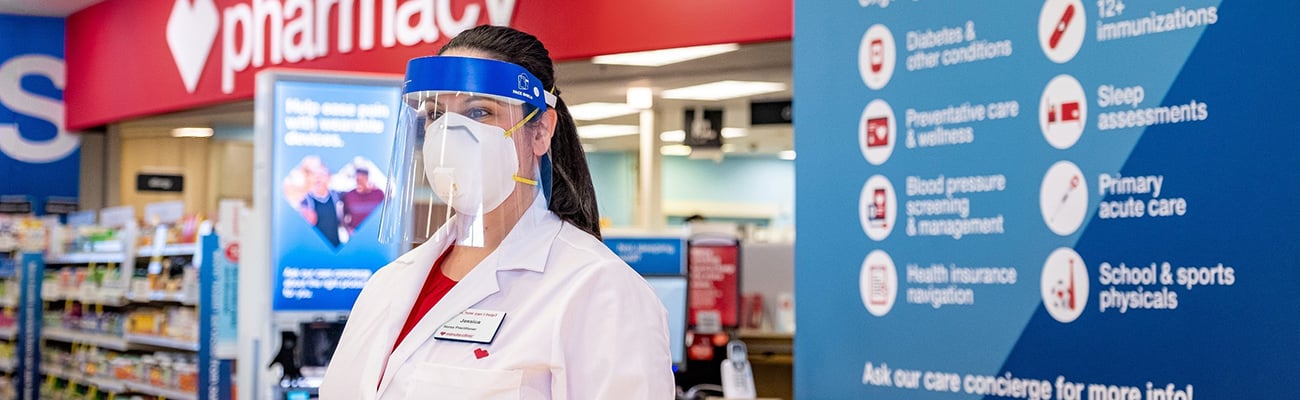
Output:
x=480 y=353
x=191 y=32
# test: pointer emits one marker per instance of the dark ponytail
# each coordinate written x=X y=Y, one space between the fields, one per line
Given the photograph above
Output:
x=573 y=198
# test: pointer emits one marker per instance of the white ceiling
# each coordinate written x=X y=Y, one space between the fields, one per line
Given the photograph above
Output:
x=49 y=8
x=582 y=81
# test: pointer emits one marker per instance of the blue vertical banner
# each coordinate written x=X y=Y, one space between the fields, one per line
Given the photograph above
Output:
x=215 y=370
x=1056 y=199
x=331 y=147
x=29 y=326
x=33 y=141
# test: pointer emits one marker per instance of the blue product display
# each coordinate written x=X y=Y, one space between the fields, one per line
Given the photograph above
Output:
x=1055 y=199
x=332 y=141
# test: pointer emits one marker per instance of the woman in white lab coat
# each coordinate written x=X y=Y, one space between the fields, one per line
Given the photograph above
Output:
x=539 y=308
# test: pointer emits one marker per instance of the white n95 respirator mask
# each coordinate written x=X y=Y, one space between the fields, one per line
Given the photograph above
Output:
x=470 y=165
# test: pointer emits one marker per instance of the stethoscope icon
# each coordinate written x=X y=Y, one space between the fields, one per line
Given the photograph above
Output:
x=1074 y=184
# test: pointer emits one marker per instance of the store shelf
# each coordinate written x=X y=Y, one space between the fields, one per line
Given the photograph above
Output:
x=8 y=302
x=103 y=384
x=179 y=249
x=9 y=333
x=128 y=342
x=169 y=394
x=8 y=365
x=85 y=258
x=100 y=340
x=162 y=342
x=111 y=301
x=163 y=297
x=122 y=300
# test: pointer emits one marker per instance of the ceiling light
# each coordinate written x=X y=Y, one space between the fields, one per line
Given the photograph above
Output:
x=597 y=110
x=641 y=98
x=656 y=58
x=731 y=133
x=786 y=154
x=675 y=150
x=723 y=90
x=601 y=131
x=728 y=147
x=676 y=136
x=194 y=132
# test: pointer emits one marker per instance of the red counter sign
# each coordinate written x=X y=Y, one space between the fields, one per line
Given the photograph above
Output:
x=714 y=284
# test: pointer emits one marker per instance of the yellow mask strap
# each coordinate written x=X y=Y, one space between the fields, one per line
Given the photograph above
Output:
x=524 y=180
x=521 y=123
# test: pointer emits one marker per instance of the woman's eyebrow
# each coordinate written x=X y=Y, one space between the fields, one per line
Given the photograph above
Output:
x=475 y=99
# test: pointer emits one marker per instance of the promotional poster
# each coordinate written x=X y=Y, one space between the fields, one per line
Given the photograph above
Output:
x=332 y=145
x=1055 y=199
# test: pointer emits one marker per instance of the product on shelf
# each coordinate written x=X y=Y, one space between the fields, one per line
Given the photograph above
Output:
x=177 y=323
x=7 y=319
x=161 y=370
x=183 y=231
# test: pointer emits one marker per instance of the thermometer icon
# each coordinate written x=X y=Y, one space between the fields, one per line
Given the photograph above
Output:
x=1074 y=184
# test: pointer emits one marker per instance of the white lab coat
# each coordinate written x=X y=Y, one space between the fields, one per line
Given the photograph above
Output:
x=579 y=324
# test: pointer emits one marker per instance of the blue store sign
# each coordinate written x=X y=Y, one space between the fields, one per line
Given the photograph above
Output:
x=1058 y=199
x=33 y=141
x=651 y=255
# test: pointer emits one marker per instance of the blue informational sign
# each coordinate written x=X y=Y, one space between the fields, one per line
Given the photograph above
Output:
x=33 y=141
x=651 y=255
x=214 y=381
x=30 y=308
x=1057 y=199
x=331 y=146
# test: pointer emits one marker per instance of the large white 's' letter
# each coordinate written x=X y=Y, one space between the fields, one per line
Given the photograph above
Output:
x=14 y=98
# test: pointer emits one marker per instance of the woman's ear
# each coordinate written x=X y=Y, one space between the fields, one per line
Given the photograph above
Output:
x=542 y=141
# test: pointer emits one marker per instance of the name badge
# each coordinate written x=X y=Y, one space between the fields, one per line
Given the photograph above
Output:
x=472 y=325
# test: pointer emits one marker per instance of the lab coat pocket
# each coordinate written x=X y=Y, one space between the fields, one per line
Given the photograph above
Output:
x=448 y=382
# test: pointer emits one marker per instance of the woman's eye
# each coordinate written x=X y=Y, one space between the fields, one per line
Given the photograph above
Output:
x=434 y=115
x=477 y=113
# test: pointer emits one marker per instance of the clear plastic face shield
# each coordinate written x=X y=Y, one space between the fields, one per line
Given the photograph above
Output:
x=461 y=149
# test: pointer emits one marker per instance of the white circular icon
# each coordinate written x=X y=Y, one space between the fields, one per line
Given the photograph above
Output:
x=879 y=283
x=1062 y=27
x=876 y=132
x=1065 y=285
x=877 y=207
x=1063 y=111
x=876 y=56
x=1063 y=198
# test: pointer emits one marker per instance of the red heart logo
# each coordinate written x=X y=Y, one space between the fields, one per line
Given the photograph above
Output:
x=480 y=353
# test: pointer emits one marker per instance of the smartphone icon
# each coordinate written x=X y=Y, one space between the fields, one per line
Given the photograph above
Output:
x=877 y=55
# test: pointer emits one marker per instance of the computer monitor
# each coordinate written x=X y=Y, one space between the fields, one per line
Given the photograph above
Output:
x=671 y=290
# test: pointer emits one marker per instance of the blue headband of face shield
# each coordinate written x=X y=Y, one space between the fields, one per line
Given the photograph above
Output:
x=477 y=75
x=487 y=76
